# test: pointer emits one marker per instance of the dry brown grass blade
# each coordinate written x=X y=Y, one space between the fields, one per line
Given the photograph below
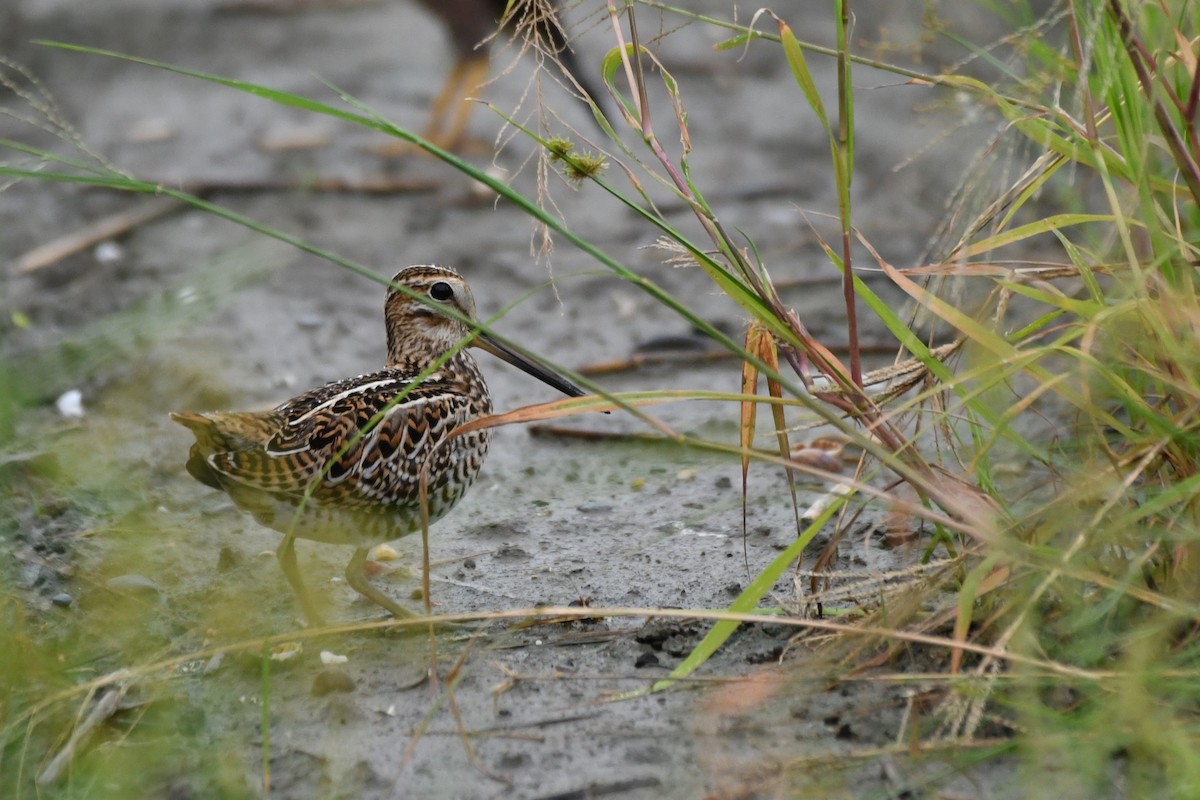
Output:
x=638 y=360
x=1025 y=272
x=101 y=712
x=591 y=404
x=770 y=357
x=749 y=410
x=761 y=344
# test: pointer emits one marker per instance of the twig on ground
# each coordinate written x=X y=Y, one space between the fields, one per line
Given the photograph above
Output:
x=105 y=707
x=106 y=228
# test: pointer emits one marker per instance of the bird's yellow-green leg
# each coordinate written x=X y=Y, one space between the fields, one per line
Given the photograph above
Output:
x=286 y=555
x=358 y=581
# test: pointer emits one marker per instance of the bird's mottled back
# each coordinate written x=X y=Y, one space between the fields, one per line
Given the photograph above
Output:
x=363 y=441
x=343 y=463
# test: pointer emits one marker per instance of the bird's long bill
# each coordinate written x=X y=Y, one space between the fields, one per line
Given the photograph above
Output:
x=539 y=371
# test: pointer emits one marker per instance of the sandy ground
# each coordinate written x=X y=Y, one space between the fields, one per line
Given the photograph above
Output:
x=116 y=545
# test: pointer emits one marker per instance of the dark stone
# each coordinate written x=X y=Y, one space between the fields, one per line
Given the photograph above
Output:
x=227 y=559
x=512 y=760
x=332 y=679
x=647 y=659
x=510 y=553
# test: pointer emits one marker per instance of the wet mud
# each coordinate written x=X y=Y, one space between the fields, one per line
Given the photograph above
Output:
x=115 y=546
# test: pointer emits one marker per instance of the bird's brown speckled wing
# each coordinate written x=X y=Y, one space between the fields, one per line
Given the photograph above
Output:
x=328 y=436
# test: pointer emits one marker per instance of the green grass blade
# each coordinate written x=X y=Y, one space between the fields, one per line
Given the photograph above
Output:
x=747 y=601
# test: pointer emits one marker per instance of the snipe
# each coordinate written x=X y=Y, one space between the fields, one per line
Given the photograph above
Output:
x=471 y=25
x=341 y=464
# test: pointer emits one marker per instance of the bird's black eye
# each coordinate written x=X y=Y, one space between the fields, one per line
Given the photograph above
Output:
x=441 y=291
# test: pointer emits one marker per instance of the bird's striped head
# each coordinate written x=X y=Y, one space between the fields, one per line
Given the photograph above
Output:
x=417 y=320
x=420 y=329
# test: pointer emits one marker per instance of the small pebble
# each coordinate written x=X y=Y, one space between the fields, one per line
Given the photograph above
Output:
x=108 y=252
x=332 y=679
x=70 y=404
x=34 y=574
x=132 y=584
x=150 y=129
x=310 y=321
x=286 y=651
x=469 y=563
x=328 y=657
x=481 y=191
x=646 y=659
x=227 y=559
x=62 y=600
x=294 y=137
x=510 y=761
x=510 y=552
x=384 y=552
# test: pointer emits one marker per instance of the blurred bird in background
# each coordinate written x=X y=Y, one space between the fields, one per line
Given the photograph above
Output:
x=472 y=25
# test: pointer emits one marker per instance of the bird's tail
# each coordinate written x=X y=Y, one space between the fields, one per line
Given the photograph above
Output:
x=218 y=431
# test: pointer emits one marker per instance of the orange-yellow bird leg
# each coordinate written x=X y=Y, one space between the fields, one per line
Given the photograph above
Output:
x=286 y=555
x=464 y=83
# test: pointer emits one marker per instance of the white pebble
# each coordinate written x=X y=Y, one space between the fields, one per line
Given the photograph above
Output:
x=328 y=657
x=108 y=252
x=384 y=552
x=70 y=404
